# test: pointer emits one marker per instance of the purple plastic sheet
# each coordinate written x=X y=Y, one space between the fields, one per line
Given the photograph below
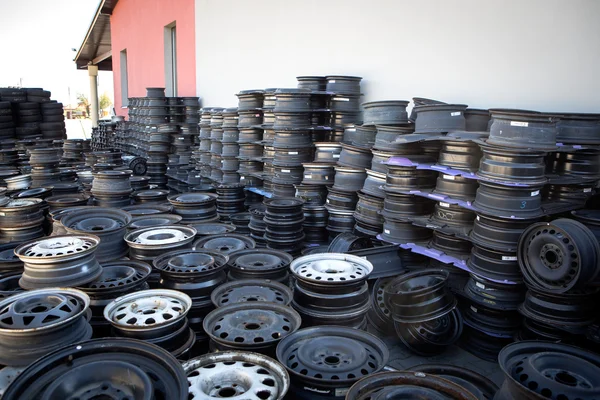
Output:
x=260 y=191
x=444 y=258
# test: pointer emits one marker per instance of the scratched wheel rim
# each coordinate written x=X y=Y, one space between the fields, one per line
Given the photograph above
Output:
x=236 y=374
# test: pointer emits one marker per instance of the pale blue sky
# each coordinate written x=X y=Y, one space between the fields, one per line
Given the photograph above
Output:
x=36 y=38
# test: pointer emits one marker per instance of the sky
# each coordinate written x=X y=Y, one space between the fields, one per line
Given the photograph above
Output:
x=36 y=42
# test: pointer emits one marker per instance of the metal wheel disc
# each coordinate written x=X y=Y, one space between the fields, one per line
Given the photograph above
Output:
x=331 y=268
x=549 y=370
x=190 y=263
x=236 y=374
x=225 y=243
x=251 y=290
x=332 y=355
x=119 y=275
x=42 y=309
x=407 y=385
x=147 y=209
x=559 y=256
x=259 y=259
x=160 y=236
x=148 y=221
x=148 y=309
x=57 y=246
x=96 y=219
x=477 y=384
x=112 y=369
x=210 y=228
x=251 y=324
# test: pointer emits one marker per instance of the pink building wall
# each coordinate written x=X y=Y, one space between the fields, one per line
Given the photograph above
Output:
x=138 y=27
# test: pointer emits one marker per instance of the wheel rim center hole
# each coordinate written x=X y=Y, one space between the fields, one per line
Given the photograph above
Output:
x=224 y=248
x=97 y=228
x=332 y=271
x=227 y=392
x=161 y=236
x=252 y=326
x=39 y=309
x=258 y=264
x=566 y=379
x=551 y=256
x=332 y=360
x=251 y=299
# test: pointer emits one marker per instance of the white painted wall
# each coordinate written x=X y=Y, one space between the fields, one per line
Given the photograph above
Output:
x=533 y=54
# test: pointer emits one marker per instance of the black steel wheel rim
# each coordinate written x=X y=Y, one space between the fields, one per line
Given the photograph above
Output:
x=346 y=241
x=213 y=228
x=535 y=369
x=559 y=256
x=251 y=325
x=431 y=337
x=190 y=263
x=419 y=296
x=379 y=314
x=329 y=357
x=477 y=384
x=73 y=370
x=119 y=276
x=224 y=243
x=259 y=263
x=147 y=221
x=407 y=385
x=251 y=290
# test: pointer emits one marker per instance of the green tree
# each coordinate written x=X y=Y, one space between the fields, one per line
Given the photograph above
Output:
x=104 y=101
x=82 y=101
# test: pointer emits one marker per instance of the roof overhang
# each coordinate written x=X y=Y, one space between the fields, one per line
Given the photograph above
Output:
x=96 y=48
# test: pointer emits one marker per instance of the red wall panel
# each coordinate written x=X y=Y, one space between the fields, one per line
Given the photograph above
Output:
x=138 y=27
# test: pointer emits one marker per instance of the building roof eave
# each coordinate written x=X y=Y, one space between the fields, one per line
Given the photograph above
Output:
x=97 y=46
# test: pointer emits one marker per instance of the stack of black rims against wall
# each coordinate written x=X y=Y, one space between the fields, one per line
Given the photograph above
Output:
x=230 y=200
x=383 y=122
x=204 y=160
x=216 y=147
x=252 y=125
x=560 y=265
x=351 y=159
x=292 y=145
x=511 y=177
x=424 y=311
x=283 y=224
x=264 y=165
x=229 y=147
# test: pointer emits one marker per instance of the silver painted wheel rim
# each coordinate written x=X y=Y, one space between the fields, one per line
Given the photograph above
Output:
x=148 y=309
x=331 y=267
x=236 y=375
